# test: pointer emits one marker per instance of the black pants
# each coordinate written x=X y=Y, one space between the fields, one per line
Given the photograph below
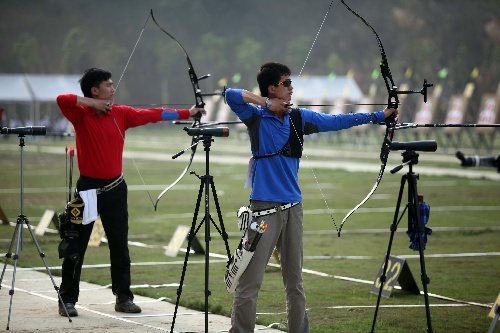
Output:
x=112 y=208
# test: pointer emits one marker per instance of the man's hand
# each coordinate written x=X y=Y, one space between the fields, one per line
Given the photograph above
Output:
x=100 y=106
x=279 y=105
x=388 y=112
x=194 y=110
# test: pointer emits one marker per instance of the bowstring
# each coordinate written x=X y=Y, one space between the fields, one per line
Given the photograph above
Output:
x=315 y=178
x=122 y=135
x=316 y=38
x=135 y=165
x=133 y=50
x=295 y=130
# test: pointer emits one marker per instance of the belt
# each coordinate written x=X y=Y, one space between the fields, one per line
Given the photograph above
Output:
x=108 y=187
x=274 y=209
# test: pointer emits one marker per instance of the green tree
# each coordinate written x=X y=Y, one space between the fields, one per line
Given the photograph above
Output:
x=249 y=58
x=334 y=63
x=168 y=63
x=25 y=49
x=212 y=53
x=75 y=51
x=110 y=55
x=297 y=51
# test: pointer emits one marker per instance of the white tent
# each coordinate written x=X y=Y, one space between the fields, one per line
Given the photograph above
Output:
x=314 y=88
x=30 y=99
x=14 y=88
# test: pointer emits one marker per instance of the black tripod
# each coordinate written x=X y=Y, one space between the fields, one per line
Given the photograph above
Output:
x=18 y=235
x=206 y=182
x=410 y=158
x=495 y=318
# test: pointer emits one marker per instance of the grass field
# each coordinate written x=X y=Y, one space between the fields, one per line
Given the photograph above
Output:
x=461 y=259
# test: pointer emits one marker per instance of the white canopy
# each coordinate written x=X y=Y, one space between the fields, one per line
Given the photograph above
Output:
x=22 y=93
x=315 y=88
x=37 y=87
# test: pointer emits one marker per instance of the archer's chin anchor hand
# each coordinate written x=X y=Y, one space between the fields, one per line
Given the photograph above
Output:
x=287 y=107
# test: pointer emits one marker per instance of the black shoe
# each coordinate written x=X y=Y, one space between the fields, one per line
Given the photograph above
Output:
x=127 y=306
x=70 y=307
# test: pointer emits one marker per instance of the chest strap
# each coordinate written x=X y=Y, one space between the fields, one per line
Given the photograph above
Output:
x=293 y=147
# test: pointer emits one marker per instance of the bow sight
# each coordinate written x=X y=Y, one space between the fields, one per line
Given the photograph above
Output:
x=422 y=91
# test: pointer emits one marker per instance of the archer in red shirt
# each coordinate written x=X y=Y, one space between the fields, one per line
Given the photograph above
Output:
x=100 y=128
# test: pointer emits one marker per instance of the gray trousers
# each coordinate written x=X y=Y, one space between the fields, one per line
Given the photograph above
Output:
x=284 y=231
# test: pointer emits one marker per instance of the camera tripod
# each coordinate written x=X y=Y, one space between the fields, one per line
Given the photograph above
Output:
x=410 y=158
x=206 y=182
x=18 y=236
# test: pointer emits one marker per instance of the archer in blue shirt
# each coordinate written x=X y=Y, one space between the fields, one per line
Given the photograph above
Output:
x=276 y=132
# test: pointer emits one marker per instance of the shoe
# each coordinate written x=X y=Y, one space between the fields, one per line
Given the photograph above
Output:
x=70 y=307
x=127 y=306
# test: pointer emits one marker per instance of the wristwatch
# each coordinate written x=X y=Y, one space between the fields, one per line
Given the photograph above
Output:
x=268 y=103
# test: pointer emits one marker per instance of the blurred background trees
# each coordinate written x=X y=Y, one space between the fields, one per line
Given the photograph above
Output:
x=450 y=42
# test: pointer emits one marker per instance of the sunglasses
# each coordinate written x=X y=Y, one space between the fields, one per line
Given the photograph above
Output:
x=286 y=83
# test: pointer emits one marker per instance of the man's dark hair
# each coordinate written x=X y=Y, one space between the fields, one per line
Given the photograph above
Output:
x=270 y=74
x=93 y=77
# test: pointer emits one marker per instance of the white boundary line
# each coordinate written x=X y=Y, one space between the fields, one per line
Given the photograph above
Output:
x=156 y=263
x=361 y=210
x=308 y=271
x=80 y=307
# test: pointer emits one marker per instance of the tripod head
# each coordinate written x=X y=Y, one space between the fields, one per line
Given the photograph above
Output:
x=203 y=134
x=410 y=157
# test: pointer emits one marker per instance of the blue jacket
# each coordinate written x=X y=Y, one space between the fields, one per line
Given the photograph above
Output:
x=276 y=178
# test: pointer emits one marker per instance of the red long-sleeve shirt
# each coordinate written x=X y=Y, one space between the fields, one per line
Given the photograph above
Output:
x=100 y=138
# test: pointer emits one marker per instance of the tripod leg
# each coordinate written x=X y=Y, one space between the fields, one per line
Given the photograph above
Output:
x=8 y=255
x=222 y=232
x=18 y=235
x=192 y=234
x=42 y=255
x=394 y=227
x=495 y=320
x=412 y=191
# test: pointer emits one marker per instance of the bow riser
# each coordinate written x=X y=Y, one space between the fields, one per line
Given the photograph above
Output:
x=392 y=103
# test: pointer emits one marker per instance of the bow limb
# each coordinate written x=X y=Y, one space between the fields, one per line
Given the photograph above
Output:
x=195 y=123
x=392 y=102
x=192 y=74
x=199 y=104
x=193 y=150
